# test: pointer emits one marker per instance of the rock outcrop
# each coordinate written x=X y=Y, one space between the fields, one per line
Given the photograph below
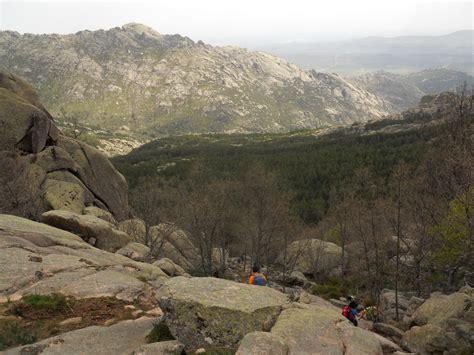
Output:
x=262 y=343
x=388 y=305
x=173 y=243
x=122 y=338
x=135 y=251
x=71 y=174
x=170 y=268
x=311 y=256
x=443 y=324
x=312 y=329
x=38 y=258
x=209 y=311
x=94 y=230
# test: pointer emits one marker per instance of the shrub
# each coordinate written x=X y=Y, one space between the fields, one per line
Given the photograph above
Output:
x=12 y=333
x=52 y=302
x=333 y=287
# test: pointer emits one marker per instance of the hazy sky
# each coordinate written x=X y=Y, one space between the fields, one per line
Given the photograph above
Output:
x=244 y=22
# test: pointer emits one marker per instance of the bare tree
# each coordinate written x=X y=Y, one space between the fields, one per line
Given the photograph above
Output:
x=150 y=202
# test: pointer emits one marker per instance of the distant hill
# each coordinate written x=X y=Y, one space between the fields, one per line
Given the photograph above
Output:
x=404 y=91
x=135 y=81
x=398 y=54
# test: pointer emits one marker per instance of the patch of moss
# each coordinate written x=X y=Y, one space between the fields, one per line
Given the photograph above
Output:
x=54 y=302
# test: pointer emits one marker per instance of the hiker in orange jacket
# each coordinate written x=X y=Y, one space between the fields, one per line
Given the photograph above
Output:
x=257 y=278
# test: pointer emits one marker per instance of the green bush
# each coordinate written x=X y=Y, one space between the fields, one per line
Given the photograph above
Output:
x=12 y=333
x=333 y=287
x=52 y=302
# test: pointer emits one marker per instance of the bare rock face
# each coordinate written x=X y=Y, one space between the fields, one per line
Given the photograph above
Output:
x=136 y=251
x=262 y=343
x=175 y=245
x=88 y=227
x=204 y=311
x=121 y=338
x=311 y=329
x=170 y=268
x=99 y=176
x=442 y=324
x=170 y=347
x=41 y=259
x=25 y=126
x=74 y=174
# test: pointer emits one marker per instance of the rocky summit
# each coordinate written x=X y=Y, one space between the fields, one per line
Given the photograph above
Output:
x=135 y=81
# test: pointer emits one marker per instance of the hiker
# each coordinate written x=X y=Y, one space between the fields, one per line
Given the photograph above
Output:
x=350 y=311
x=257 y=278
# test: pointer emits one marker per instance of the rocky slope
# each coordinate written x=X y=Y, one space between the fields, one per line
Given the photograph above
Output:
x=39 y=259
x=405 y=91
x=133 y=80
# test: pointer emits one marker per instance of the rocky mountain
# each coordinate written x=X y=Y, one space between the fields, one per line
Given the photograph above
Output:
x=134 y=81
x=395 y=54
x=405 y=91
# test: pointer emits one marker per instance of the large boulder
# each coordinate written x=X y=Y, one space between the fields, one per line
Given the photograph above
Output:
x=99 y=175
x=24 y=124
x=100 y=213
x=136 y=251
x=170 y=268
x=68 y=176
x=173 y=243
x=170 y=347
x=313 y=256
x=262 y=343
x=78 y=175
x=121 y=338
x=442 y=324
x=312 y=329
x=438 y=308
x=432 y=339
x=96 y=231
x=136 y=228
x=204 y=311
x=38 y=258
x=54 y=158
x=389 y=306
x=61 y=195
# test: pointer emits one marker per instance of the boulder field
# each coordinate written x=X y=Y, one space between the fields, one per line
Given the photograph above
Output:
x=199 y=312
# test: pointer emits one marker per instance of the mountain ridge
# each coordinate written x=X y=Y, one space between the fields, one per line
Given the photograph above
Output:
x=159 y=84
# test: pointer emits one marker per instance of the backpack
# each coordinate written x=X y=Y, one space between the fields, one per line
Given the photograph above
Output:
x=347 y=312
x=259 y=280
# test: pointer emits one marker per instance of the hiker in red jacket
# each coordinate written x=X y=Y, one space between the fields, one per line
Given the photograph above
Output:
x=350 y=312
